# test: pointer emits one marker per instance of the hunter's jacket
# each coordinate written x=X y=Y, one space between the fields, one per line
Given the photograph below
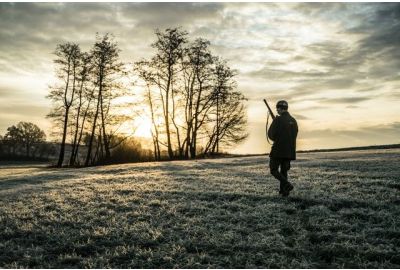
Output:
x=283 y=131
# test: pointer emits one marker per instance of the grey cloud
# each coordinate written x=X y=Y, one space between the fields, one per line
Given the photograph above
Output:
x=21 y=102
x=345 y=100
x=24 y=109
x=154 y=15
x=6 y=93
x=377 y=134
x=382 y=40
x=319 y=84
x=341 y=66
x=366 y=89
x=395 y=94
x=340 y=83
x=334 y=55
x=29 y=32
x=333 y=72
x=380 y=17
x=350 y=15
x=281 y=74
x=317 y=9
x=14 y=111
x=40 y=23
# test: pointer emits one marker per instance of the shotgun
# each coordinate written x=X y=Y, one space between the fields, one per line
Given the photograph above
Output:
x=269 y=109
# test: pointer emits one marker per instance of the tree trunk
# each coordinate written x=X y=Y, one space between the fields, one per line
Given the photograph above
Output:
x=62 y=149
x=180 y=149
x=166 y=116
x=189 y=119
x=217 y=125
x=81 y=131
x=74 y=144
x=196 y=120
x=103 y=127
x=93 y=131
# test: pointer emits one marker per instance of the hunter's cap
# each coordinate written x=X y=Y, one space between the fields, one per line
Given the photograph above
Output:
x=282 y=104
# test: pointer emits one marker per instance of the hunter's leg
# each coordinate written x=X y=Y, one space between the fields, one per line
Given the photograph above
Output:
x=285 y=167
x=274 y=165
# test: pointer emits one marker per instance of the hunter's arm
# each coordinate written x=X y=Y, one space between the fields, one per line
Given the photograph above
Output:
x=272 y=129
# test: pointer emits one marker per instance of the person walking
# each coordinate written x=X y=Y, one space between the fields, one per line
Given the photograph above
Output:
x=283 y=132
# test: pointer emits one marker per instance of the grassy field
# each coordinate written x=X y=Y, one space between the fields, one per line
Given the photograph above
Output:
x=223 y=213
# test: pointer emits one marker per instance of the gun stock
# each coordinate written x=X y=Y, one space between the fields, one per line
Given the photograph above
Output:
x=269 y=109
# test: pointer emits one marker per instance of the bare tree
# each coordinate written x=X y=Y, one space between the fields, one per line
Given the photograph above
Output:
x=143 y=69
x=106 y=68
x=200 y=99
x=192 y=86
x=230 y=123
x=232 y=129
x=222 y=94
x=170 y=50
x=63 y=95
x=155 y=130
x=161 y=72
x=84 y=98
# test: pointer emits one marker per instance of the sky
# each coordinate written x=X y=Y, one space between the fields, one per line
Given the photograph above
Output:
x=337 y=64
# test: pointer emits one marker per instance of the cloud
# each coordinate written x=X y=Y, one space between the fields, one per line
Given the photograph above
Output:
x=344 y=100
x=381 y=42
x=29 y=32
x=377 y=134
x=352 y=107
x=23 y=109
x=13 y=111
x=281 y=74
x=381 y=28
x=154 y=15
x=361 y=55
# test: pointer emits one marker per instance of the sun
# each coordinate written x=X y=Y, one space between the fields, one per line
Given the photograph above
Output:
x=143 y=125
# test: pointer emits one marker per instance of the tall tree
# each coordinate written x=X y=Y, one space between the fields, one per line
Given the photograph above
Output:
x=84 y=98
x=170 y=50
x=143 y=69
x=107 y=66
x=200 y=89
x=63 y=95
x=161 y=72
x=228 y=116
x=223 y=86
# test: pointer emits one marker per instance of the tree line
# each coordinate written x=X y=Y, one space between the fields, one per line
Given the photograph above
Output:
x=189 y=94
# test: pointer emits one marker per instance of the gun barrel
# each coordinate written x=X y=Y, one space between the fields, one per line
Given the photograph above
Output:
x=269 y=109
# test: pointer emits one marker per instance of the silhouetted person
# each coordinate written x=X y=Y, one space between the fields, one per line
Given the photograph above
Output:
x=283 y=132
